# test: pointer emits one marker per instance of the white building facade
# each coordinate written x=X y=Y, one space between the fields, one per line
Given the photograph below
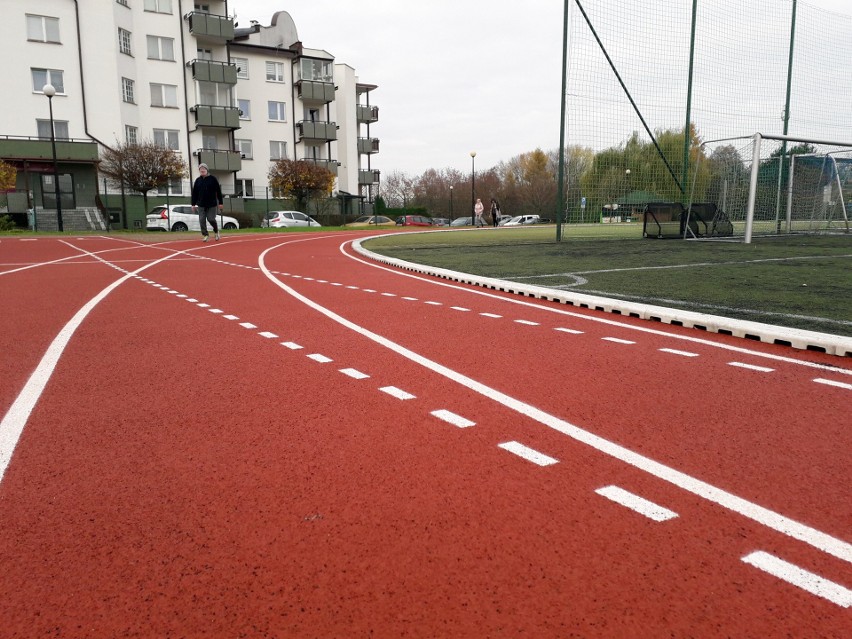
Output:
x=183 y=74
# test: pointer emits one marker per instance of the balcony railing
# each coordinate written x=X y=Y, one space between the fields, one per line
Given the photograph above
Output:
x=67 y=150
x=207 y=25
x=217 y=160
x=368 y=177
x=368 y=145
x=367 y=113
x=317 y=131
x=212 y=71
x=217 y=116
x=311 y=90
x=331 y=165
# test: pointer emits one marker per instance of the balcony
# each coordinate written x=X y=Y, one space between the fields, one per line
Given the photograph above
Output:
x=312 y=91
x=317 y=132
x=67 y=150
x=331 y=165
x=368 y=145
x=367 y=114
x=368 y=177
x=207 y=26
x=216 y=116
x=220 y=160
x=210 y=71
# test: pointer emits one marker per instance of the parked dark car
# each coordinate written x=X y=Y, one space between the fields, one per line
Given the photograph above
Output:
x=413 y=220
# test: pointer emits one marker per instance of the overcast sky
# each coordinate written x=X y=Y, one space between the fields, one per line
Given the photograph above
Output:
x=453 y=76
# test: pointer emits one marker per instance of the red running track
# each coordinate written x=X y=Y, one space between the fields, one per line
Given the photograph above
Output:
x=272 y=437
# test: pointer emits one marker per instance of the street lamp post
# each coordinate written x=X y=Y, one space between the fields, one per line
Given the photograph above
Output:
x=50 y=91
x=627 y=193
x=473 y=188
x=451 y=203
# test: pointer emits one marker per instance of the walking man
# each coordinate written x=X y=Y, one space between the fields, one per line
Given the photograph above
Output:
x=206 y=198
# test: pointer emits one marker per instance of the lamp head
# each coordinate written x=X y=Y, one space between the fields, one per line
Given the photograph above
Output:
x=48 y=90
x=473 y=154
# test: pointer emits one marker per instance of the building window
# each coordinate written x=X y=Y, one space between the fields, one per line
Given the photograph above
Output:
x=210 y=142
x=66 y=191
x=204 y=54
x=163 y=95
x=123 y=3
x=277 y=150
x=317 y=70
x=159 y=6
x=245 y=148
x=275 y=71
x=244 y=188
x=167 y=138
x=124 y=41
x=203 y=8
x=47 y=76
x=131 y=134
x=242 y=67
x=127 y=90
x=42 y=28
x=277 y=111
x=161 y=48
x=60 y=129
x=245 y=109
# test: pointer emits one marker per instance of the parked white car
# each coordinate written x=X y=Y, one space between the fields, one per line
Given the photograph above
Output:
x=521 y=220
x=181 y=217
x=288 y=219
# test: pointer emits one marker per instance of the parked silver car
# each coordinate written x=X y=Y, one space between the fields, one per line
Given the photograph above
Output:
x=181 y=217
x=287 y=219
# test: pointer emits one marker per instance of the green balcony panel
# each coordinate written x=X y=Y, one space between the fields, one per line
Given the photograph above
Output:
x=317 y=91
x=34 y=149
x=211 y=26
x=221 y=160
x=215 y=116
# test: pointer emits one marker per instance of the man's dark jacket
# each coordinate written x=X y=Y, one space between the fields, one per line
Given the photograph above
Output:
x=206 y=192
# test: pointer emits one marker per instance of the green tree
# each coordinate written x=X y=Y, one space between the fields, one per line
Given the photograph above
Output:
x=8 y=176
x=301 y=180
x=142 y=167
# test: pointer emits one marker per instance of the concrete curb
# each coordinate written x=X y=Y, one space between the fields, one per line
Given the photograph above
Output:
x=768 y=333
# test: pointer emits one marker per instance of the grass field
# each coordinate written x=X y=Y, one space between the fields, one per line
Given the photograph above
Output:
x=796 y=281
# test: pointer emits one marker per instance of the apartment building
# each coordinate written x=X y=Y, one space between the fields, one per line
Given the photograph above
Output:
x=183 y=74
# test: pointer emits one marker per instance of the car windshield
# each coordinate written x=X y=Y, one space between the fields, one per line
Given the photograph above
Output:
x=364 y=218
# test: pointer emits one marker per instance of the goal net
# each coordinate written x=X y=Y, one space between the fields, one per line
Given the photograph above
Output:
x=771 y=185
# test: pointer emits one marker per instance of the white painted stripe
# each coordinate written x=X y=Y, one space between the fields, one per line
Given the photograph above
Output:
x=493 y=315
x=636 y=503
x=410 y=299
x=674 y=351
x=389 y=294
x=434 y=303
x=336 y=284
x=751 y=367
x=323 y=281
x=460 y=308
x=452 y=418
x=322 y=359
x=526 y=322
x=528 y=453
x=354 y=288
x=291 y=345
x=192 y=300
x=231 y=317
x=353 y=373
x=172 y=292
x=568 y=330
x=309 y=279
x=617 y=340
x=800 y=578
x=215 y=311
x=831 y=382
x=267 y=334
x=203 y=305
x=183 y=296
x=369 y=290
x=396 y=392
x=248 y=325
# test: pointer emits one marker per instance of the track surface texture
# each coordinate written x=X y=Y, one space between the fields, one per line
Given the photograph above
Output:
x=271 y=436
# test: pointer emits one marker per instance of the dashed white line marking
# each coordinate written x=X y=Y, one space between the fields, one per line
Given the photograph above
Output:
x=636 y=503
x=231 y=317
x=460 y=308
x=172 y=292
x=389 y=294
x=452 y=418
x=492 y=315
x=433 y=303
x=203 y=305
x=568 y=330
x=410 y=299
x=323 y=281
x=528 y=453
x=291 y=345
x=215 y=311
x=751 y=367
x=267 y=334
x=191 y=300
x=353 y=373
x=526 y=322
x=322 y=359
x=617 y=340
x=393 y=391
x=248 y=325
x=183 y=296
x=354 y=288
x=674 y=351
x=801 y=578
x=831 y=382
x=369 y=290
x=336 y=284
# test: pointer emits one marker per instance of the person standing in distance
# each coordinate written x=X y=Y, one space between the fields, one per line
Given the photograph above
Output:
x=206 y=198
x=495 y=212
x=478 y=209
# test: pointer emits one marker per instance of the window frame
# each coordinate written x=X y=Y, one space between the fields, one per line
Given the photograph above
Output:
x=163 y=94
x=57 y=124
x=281 y=111
x=158 y=8
x=282 y=146
x=159 y=40
x=167 y=136
x=245 y=114
x=239 y=144
x=45 y=32
x=131 y=134
x=125 y=42
x=276 y=66
x=242 y=65
x=48 y=75
x=241 y=192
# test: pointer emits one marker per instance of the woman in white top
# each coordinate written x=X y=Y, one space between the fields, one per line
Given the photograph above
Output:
x=477 y=209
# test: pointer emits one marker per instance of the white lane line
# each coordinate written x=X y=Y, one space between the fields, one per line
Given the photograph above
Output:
x=492 y=315
x=526 y=322
x=452 y=418
x=354 y=288
x=460 y=308
x=183 y=296
x=801 y=578
x=191 y=300
x=354 y=373
x=336 y=284
x=393 y=391
x=231 y=317
x=674 y=351
x=322 y=359
x=568 y=330
x=636 y=503
x=368 y=290
x=528 y=453
x=410 y=299
x=267 y=334
x=617 y=340
x=433 y=303
x=291 y=345
x=750 y=510
x=247 y=325
x=830 y=382
x=751 y=367
x=389 y=294
x=215 y=311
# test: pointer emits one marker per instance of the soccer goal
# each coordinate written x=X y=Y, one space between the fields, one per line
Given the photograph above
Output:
x=772 y=185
